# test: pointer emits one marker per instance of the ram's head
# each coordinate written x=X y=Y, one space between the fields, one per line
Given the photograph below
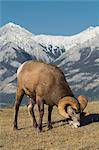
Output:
x=72 y=108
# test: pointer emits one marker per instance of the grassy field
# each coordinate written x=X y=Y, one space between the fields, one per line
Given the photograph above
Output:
x=61 y=137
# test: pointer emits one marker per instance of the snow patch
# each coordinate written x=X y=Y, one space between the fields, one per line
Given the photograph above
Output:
x=15 y=64
x=97 y=60
x=10 y=88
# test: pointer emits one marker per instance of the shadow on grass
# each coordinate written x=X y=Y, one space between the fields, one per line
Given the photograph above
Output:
x=88 y=119
x=24 y=128
x=62 y=122
x=85 y=120
x=57 y=123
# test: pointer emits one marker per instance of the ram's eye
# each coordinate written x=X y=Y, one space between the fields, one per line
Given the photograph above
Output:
x=73 y=113
x=76 y=111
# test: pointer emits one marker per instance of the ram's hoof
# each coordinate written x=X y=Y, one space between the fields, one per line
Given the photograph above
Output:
x=50 y=127
x=35 y=125
x=39 y=129
x=15 y=128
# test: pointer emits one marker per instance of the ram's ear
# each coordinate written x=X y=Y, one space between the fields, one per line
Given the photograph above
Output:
x=83 y=102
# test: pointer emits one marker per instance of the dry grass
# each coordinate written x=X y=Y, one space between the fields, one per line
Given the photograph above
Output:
x=61 y=137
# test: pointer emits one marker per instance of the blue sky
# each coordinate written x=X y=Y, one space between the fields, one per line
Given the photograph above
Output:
x=51 y=17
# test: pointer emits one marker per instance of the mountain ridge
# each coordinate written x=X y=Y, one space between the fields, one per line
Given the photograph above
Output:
x=76 y=55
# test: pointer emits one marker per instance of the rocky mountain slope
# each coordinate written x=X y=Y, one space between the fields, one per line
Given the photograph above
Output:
x=77 y=56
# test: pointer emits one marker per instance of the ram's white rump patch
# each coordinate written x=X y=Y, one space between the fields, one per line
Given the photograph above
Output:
x=20 y=68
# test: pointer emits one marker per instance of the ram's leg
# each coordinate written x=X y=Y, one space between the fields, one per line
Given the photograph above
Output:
x=49 y=116
x=40 y=104
x=19 y=96
x=30 y=106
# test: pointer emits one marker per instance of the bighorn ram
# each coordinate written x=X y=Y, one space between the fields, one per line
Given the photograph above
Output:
x=46 y=84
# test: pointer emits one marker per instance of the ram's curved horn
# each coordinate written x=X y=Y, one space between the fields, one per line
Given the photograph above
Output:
x=65 y=102
x=83 y=102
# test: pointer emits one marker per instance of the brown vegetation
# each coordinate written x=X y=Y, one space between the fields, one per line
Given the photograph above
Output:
x=61 y=137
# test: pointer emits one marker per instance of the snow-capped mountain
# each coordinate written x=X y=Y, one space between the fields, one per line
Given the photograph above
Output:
x=80 y=66
x=77 y=56
x=67 y=42
x=12 y=33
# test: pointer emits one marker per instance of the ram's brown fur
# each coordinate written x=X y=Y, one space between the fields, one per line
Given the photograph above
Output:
x=44 y=81
x=44 y=84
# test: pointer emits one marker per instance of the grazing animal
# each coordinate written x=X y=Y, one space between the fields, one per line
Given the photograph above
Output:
x=45 y=84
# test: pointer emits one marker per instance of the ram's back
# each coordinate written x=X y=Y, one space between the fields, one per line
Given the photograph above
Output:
x=45 y=80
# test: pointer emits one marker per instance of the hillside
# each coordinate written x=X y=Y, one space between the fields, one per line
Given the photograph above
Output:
x=61 y=136
x=77 y=56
